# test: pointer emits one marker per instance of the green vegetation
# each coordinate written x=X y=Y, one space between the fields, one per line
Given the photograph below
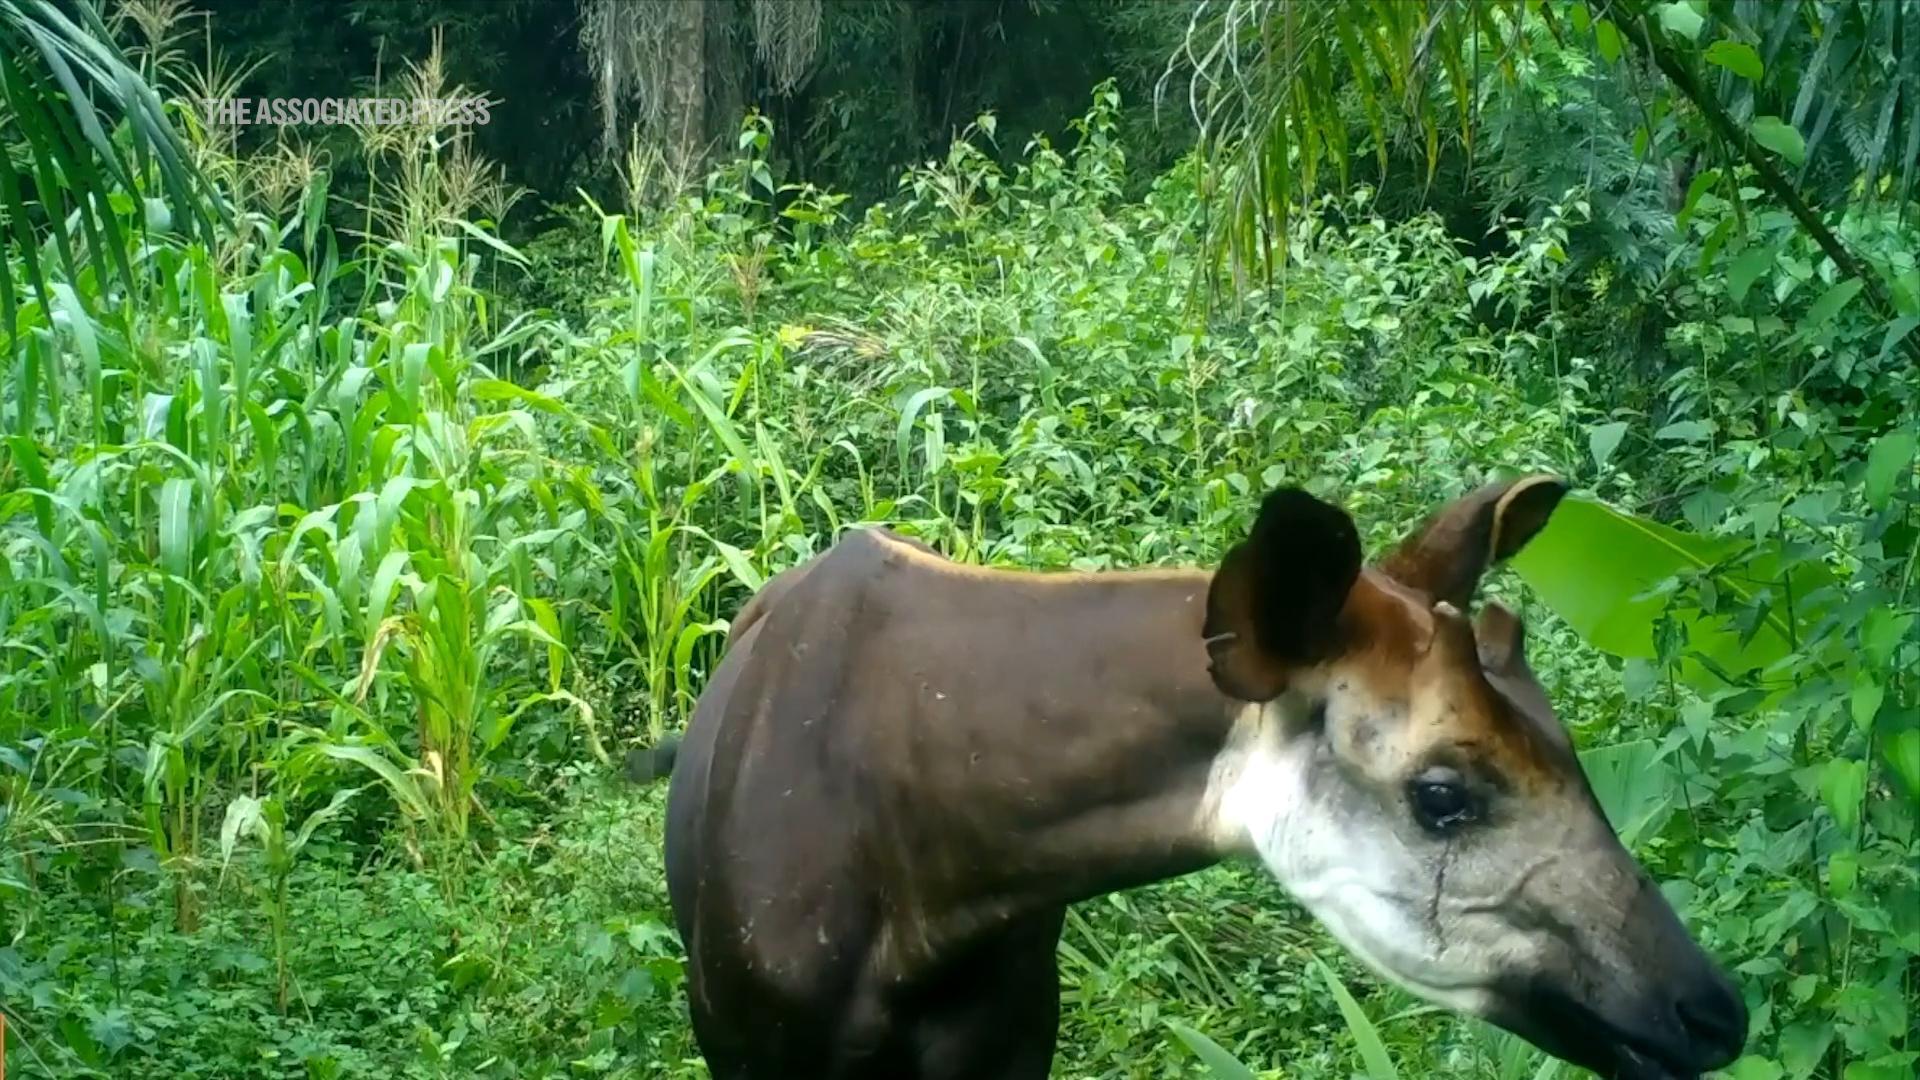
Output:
x=347 y=544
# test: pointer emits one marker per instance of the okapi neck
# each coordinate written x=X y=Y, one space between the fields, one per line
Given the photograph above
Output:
x=1083 y=752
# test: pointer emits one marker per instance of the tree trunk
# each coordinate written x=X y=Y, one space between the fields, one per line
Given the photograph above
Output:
x=686 y=86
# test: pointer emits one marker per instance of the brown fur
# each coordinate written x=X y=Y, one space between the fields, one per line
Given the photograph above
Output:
x=905 y=769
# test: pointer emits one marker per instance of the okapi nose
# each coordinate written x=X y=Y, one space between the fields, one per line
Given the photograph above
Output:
x=1715 y=1019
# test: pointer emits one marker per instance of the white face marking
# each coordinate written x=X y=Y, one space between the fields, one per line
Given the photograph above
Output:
x=1373 y=892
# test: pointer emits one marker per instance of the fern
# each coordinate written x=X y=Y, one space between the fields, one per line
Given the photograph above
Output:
x=1856 y=130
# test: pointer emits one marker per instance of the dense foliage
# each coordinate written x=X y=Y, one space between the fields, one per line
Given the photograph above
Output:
x=347 y=546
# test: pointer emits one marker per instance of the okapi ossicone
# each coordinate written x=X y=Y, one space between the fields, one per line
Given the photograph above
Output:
x=904 y=769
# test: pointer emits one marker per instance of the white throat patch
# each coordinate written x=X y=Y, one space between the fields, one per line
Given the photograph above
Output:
x=1366 y=890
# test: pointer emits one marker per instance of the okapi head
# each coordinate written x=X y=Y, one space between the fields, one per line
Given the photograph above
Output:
x=1407 y=780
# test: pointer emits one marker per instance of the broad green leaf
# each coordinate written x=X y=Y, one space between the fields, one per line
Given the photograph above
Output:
x=1633 y=785
x=1889 y=460
x=1685 y=431
x=1737 y=57
x=1881 y=632
x=690 y=636
x=1754 y=1067
x=1804 y=1045
x=1898 y=1066
x=903 y=435
x=1903 y=756
x=1607 y=39
x=1780 y=137
x=1591 y=563
x=549 y=621
x=1865 y=702
x=1831 y=302
x=1703 y=182
x=1898 y=331
x=322 y=816
x=1603 y=439
x=1679 y=18
x=1843 y=876
x=1218 y=1061
x=1843 y=784
x=739 y=565
x=1595 y=567
x=176 y=526
x=1746 y=269
x=403 y=785
x=1373 y=1051
x=380 y=596
x=490 y=240
x=501 y=390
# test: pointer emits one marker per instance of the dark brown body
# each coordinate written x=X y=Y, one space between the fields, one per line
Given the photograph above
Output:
x=905 y=769
x=891 y=789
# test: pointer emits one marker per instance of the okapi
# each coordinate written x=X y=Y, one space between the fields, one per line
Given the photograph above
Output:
x=905 y=769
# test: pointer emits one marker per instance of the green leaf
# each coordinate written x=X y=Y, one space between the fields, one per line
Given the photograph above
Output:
x=1831 y=302
x=1753 y=1067
x=1633 y=785
x=1843 y=784
x=1372 y=1050
x=322 y=816
x=1607 y=39
x=1679 y=18
x=501 y=390
x=1881 y=632
x=490 y=240
x=1685 y=431
x=1703 y=182
x=1780 y=137
x=404 y=788
x=1217 y=1060
x=1865 y=702
x=1597 y=568
x=1747 y=269
x=1804 y=1045
x=1591 y=561
x=1603 y=439
x=548 y=620
x=1890 y=459
x=1898 y=331
x=1886 y=1067
x=903 y=434
x=381 y=595
x=1737 y=57
x=176 y=526
x=741 y=568
x=1903 y=756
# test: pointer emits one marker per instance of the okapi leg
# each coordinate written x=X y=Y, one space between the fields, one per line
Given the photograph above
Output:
x=996 y=1013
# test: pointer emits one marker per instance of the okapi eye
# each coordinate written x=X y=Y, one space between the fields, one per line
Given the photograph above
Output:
x=1440 y=801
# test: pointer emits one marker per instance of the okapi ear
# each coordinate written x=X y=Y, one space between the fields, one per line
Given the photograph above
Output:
x=1501 y=637
x=1275 y=601
x=1446 y=556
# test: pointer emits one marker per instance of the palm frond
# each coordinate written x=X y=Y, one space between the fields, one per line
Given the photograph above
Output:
x=1279 y=88
x=64 y=85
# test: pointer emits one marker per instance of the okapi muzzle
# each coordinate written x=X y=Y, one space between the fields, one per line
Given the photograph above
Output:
x=905 y=769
